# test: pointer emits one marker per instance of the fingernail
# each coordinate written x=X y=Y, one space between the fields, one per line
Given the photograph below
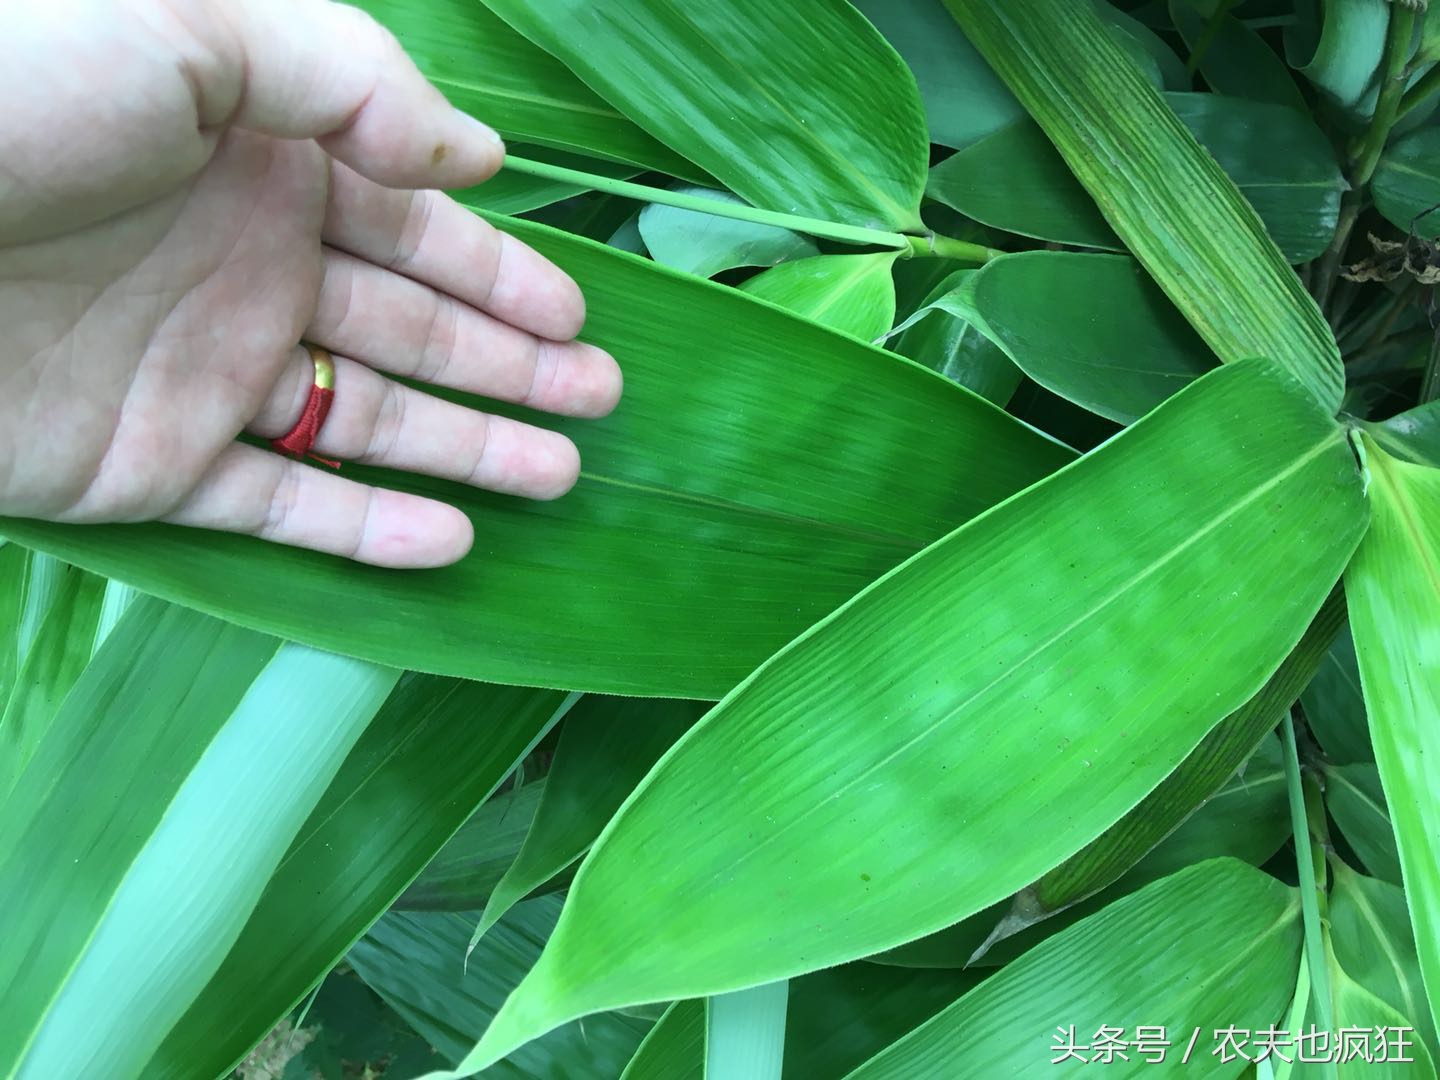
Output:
x=484 y=129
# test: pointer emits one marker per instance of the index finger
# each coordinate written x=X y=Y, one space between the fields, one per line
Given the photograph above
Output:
x=429 y=237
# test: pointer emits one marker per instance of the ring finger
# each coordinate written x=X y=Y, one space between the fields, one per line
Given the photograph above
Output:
x=376 y=421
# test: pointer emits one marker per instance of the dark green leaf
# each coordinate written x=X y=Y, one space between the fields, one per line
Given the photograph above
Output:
x=1356 y=801
x=1334 y=708
x=1337 y=45
x=1407 y=183
x=1413 y=435
x=1237 y=61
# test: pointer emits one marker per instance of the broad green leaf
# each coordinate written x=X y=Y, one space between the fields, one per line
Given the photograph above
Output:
x=1247 y=819
x=943 y=340
x=674 y=1049
x=606 y=748
x=464 y=873
x=1370 y=933
x=1356 y=1007
x=1278 y=158
x=1041 y=308
x=798 y=109
x=491 y=72
x=704 y=244
x=963 y=99
x=193 y=784
x=710 y=526
x=745 y=1033
x=1237 y=61
x=1394 y=591
x=59 y=652
x=510 y=192
x=1207 y=948
x=1145 y=46
x=1337 y=45
x=1334 y=708
x=1223 y=751
x=823 y=854
x=1164 y=196
x=414 y=960
x=433 y=754
x=1407 y=182
x=850 y=293
x=1356 y=801
x=1413 y=435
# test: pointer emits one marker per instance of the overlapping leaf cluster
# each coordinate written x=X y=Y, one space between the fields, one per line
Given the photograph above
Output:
x=1051 y=431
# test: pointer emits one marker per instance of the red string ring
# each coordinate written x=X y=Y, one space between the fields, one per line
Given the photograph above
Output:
x=299 y=441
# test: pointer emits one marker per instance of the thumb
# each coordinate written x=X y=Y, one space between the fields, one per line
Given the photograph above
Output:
x=329 y=72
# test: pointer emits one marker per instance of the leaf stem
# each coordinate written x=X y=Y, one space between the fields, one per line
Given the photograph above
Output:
x=945 y=247
x=1309 y=891
x=1365 y=152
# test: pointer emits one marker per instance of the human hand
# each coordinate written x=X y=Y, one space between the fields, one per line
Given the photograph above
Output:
x=191 y=187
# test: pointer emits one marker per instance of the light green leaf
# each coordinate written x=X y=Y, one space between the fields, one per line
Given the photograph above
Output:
x=1237 y=62
x=1337 y=45
x=1394 y=591
x=1413 y=435
x=1164 y=196
x=14 y=561
x=414 y=959
x=1334 y=708
x=1278 y=158
x=709 y=527
x=1407 y=182
x=798 y=109
x=511 y=192
x=179 y=770
x=1040 y=308
x=1207 y=948
x=823 y=854
x=435 y=751
x=940 y=337
x=464 y=873
x=745 y=1033
x=704 y=244
x=851 y=293
x=674 y=1049
x=606 y=748
x=1371 y=936
x=1357 y=1007
x=1356 y=801
x=493 y=73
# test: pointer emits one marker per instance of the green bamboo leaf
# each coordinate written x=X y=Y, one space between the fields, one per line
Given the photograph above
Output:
x=1371 y=936
x=1394 y=592
x=1413 y=435
x=14 y=561
x=1356 y=801
x=745 y=1033
x=804 y=110
x=1146 y=47
x=180 y=768
x=1407 y=182
x=62 y=646
x=1237 y=61
x=674 y=1049
x=1206 y=949
x=511 y=192
x=703 y=244
x=1204 y=771
x=939 y=336
x=1358 y=1009
x=491 y=72
x=850 y=293
x=435 y=751
x=1039 y=307
x=464 y=873
x=832 y=752
x=1337 y=45
x=606 y=748
x=1164 y=196
x=1277 y=157
x=1334 y=708
x=720 y=459
x=964 y=100
x=413 y=960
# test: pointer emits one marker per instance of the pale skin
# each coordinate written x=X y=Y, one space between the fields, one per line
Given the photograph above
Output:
x=188 y=189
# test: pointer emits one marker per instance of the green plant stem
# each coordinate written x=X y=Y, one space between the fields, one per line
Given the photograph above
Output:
x=945 y=247
x=1208 y=36
x=1309 y=892
x=1365 y=152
